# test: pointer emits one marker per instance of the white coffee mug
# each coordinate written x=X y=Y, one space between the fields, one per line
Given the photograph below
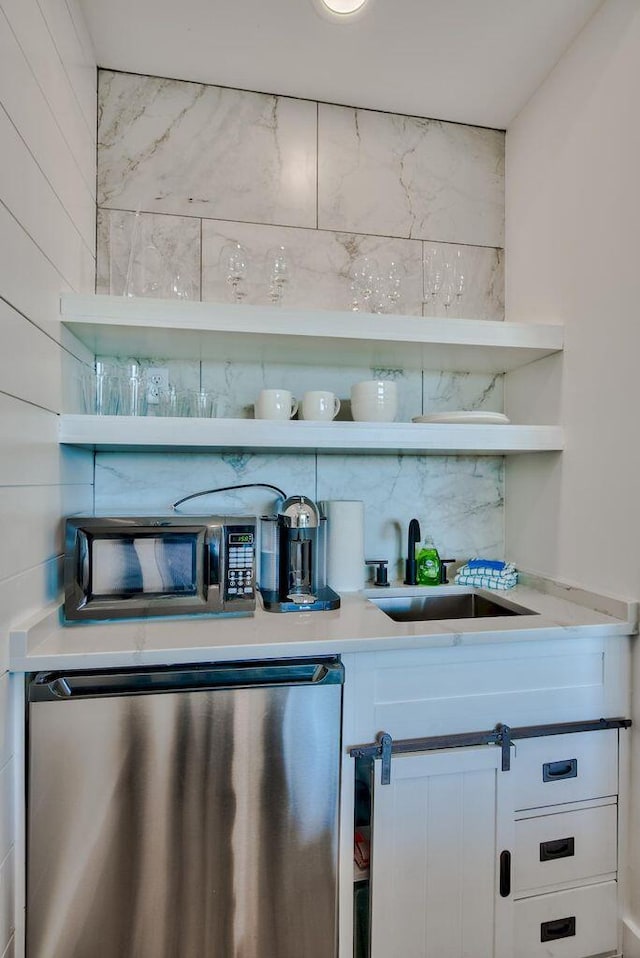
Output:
x=320 y=406
x=275 y=404
x=375 y=400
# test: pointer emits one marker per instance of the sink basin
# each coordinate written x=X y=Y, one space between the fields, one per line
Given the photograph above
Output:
x=466 y=605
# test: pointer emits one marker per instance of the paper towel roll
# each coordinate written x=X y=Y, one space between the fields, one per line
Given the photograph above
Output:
x=345 y=544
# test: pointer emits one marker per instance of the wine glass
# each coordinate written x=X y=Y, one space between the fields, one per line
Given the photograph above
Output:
x=433 y=272
x=181 y=286
x=448 y=293
x=394 y=284
x=280 y=274
x=459 y=274
x=235 y=264
x=363 y=281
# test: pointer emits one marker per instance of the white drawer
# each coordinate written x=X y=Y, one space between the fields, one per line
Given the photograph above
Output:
x=565 y=768
x=568 y=847
x=568 y=924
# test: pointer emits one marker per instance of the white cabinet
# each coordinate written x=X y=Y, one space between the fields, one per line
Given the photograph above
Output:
x=469 y=860
x=438 y=827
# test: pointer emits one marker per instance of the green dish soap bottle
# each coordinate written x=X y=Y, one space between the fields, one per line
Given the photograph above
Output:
x=428 y=571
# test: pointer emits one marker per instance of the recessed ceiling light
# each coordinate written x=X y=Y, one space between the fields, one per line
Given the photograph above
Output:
x=343 y=7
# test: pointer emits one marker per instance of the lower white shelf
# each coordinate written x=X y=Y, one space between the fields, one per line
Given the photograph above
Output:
x=154 y=433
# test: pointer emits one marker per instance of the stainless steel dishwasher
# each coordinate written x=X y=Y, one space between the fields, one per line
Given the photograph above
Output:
x=184 y=813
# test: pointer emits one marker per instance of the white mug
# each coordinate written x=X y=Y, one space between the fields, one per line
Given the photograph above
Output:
x=275 y=404
x=320 y=406
x=375 y=400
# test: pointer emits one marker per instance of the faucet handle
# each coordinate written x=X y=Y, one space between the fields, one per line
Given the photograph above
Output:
x=381 y=570
x=443 y=570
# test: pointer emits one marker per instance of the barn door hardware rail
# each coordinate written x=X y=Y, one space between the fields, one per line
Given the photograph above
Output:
x=502 y=736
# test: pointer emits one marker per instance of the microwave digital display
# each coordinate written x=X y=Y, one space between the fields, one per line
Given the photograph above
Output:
x=144 y=565
x=241 y=538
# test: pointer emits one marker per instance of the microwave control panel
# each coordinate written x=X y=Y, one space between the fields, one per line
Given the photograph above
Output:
x=241 y=550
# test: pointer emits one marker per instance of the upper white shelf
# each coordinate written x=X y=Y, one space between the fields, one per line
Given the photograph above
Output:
x=168 y=329
x=151 y=433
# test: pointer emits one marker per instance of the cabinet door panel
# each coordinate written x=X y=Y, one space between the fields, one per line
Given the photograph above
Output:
x=434 y=855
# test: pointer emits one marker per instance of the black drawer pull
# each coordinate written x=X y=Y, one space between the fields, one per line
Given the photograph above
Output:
x=558 y=848
x=560 y=928
x=505 y=874
x=558 y=771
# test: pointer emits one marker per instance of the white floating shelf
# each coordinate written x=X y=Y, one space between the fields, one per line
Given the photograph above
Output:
x=168 y=329
x=150 y=433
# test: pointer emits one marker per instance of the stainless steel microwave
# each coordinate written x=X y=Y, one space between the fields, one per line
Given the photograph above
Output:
x=138 y=566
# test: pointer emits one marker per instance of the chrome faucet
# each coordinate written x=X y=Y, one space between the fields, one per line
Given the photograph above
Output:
x=411 y=566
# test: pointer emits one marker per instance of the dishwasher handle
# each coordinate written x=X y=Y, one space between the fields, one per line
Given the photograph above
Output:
x=65 y=686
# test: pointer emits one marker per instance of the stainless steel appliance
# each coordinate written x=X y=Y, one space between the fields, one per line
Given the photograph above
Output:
x=125 y=566
x=184 y=813
x=293 y=559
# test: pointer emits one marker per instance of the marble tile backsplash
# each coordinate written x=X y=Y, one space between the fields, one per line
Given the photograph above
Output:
x=458 y=500
x=184 y=169
x=169 y=146
x=410 y=177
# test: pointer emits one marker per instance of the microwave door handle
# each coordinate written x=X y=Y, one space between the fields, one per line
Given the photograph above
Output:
x=83 y=563
x=56 y=686
x=214 y=559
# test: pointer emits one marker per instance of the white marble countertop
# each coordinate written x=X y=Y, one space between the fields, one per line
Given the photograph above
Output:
x=560 y=612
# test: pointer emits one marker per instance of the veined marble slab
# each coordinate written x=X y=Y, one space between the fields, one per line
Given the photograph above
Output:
x=406 y=176
x=450 y=392
x=148 y=254
x=170 y=146
x=457 y=500
x=321 y=265
x=152 y=481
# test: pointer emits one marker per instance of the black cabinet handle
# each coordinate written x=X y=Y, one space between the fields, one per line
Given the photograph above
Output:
x=560 y=928
x=558 y=848
x=505 y=874
x=558 y=771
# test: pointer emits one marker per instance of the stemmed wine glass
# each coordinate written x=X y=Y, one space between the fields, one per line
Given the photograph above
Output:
x=434 y=269
x=459 y=275
x=235 y=264
x=280 y=274
x=364 y=280
x=394 y=284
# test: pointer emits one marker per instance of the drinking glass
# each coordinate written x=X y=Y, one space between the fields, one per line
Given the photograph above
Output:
x=101 y=390
x=394 y=285
x=181 y=287
x=433 y=272
x=201 y=404
x=459 y=278
x=235 y=264
x=134 y=395
x=280 y=274
x=363 y=282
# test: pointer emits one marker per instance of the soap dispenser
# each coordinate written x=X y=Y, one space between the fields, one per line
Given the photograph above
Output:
x=428 y=562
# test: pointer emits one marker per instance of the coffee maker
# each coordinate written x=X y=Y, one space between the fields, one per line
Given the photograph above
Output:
x=293 y=559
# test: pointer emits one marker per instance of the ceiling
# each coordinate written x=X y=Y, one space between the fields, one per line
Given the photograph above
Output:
x=472 y=61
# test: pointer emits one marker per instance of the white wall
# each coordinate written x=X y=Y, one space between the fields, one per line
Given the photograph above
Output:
x=573 y=255
x=47 y=245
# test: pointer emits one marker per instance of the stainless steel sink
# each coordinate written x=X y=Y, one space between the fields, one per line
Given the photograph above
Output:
x=418 y=607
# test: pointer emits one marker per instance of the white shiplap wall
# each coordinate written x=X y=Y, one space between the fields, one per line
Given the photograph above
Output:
x=47 y=246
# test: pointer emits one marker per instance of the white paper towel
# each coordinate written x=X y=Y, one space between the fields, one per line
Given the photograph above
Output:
x=345 y=544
